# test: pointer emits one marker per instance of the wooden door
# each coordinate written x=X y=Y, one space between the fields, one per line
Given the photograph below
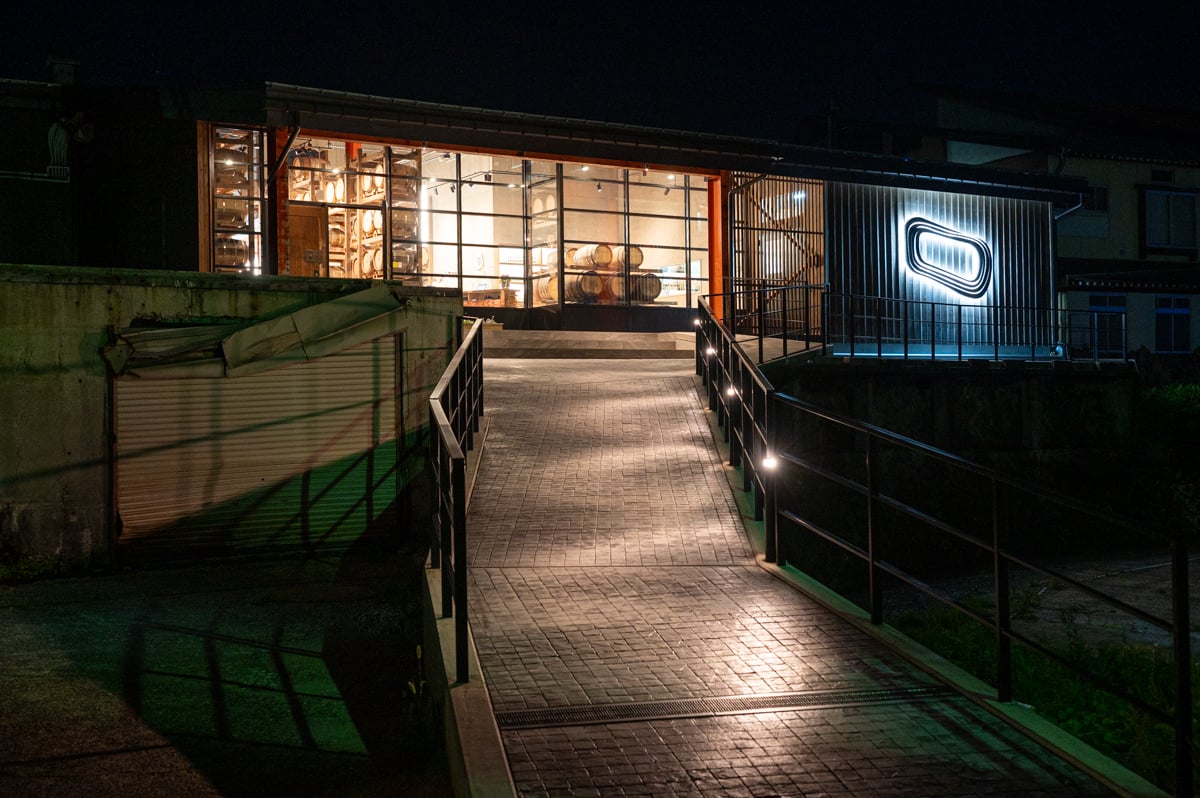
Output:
x=308 y=241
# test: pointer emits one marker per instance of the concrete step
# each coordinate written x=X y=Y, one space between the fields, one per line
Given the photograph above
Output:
x=499 y=342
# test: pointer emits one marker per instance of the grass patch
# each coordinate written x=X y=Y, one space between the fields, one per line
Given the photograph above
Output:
x=1119 y=730
x=28 y=568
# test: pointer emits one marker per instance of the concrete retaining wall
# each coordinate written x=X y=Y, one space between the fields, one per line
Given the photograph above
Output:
x=55 y=469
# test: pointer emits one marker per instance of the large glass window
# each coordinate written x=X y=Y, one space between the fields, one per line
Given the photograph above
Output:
x=1172 y=324
x=238 y=190
x=507 y=231
x=1170 y=220
x=1108 y=313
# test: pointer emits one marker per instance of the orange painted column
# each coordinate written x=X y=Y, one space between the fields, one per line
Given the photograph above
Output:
x=716 y=241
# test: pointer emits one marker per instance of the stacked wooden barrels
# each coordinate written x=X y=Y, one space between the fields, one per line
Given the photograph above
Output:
x=642 y=286
x=604 y=275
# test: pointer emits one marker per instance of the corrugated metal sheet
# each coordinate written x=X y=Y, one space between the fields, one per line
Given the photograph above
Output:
x=913 y=253
x=303 y=455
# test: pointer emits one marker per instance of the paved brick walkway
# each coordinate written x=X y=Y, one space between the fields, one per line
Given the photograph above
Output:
x=632 y=647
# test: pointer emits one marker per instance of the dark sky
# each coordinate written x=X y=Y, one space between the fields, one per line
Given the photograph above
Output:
x=750 y=69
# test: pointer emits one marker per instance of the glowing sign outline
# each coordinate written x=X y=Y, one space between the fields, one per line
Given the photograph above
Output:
x=972 y=288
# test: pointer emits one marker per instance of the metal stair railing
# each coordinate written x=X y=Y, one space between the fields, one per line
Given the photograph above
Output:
x=750 y=411
x=455 y=410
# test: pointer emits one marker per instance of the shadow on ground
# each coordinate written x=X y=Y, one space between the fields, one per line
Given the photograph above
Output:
x=292 y=675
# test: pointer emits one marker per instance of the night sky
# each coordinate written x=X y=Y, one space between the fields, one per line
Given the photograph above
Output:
x=750 y=69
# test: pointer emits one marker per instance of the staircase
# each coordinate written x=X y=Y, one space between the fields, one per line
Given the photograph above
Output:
x=499 y=342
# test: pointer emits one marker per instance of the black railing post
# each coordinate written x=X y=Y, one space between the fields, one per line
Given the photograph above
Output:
x=995 y=310
x=1003 y=617
x=435 y=462
x=959 y=325
x=878 y=329
x=771 y=478
x=904 y=315
x=853 y=324
x=932 y=331
x=783 y=296
x=458 y=487
x=737 y=414
x=1181 y=633
x=762 y=322
x=875 y=596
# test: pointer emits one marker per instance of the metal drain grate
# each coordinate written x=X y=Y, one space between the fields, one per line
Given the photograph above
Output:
x=703 y=707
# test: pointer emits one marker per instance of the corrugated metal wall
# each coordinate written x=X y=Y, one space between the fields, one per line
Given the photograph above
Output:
x=299 y=455
x=890 y=244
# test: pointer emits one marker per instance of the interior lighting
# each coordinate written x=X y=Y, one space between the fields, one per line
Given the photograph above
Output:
x=598 y=185
x=769 y=462
x=451 y=188
x=710 y=351
x=731 y=391
x=696 y=322
x=799 y=196
x=583 y=168
x=488 y=177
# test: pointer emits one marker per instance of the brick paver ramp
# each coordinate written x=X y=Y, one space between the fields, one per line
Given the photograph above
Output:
x=632 y=646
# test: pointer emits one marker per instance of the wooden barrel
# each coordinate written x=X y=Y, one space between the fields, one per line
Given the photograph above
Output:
x=231 y=251
x=649 y=286
x=569 y=256
x=627 y=257
x=596 y=256
x=616 y=284
x=545 y=289
x=582 y=287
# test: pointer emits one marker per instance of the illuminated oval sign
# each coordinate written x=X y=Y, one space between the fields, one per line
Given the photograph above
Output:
x=973 y=286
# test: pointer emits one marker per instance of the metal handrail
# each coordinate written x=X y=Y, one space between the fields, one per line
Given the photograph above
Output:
x=455 y=410
x=722 y=362
x=804 y=317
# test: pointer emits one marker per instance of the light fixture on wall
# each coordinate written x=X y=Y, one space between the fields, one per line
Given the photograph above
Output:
x=445 y=156
x=598 y=185
x=645 y=170
x=451 y=188
x=666 y=191
x=488 y=177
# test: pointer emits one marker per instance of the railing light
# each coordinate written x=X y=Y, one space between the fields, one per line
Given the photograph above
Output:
x=696 y=322
x=731 y=391
x=710 y=351
x=769 y=462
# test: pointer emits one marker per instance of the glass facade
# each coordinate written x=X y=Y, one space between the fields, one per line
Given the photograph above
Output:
x=237 y=180
x=507 y=231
